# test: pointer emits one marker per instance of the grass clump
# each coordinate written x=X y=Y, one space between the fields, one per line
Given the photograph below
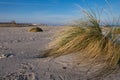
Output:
x=35 y=29
x=90 y=41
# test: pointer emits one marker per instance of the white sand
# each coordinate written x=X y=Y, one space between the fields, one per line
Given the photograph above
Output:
x=19 y=50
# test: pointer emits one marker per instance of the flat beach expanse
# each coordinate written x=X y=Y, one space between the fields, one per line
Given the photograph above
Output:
x=21 y=57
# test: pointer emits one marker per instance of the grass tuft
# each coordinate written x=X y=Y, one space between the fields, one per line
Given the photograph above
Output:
x=92 y=43
x=35 y=29
x=89 y=42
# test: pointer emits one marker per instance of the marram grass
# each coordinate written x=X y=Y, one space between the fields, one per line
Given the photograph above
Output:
x=90 y=42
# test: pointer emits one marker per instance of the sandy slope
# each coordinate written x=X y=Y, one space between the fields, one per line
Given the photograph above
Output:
x=19 y=50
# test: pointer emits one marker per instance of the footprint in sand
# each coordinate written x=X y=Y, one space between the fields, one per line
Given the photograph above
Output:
x=25 y=73
x=26 y=67
x=19 y=76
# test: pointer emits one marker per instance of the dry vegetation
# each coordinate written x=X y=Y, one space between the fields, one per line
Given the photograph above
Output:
x=90 y=42
x=35 y=29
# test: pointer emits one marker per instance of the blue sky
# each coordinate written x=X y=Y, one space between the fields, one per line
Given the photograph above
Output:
x=49 y=11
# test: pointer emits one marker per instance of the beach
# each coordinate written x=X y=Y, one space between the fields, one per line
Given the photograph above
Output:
x=21 y=58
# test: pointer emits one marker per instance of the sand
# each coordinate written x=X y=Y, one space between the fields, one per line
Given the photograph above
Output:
x=21 y=57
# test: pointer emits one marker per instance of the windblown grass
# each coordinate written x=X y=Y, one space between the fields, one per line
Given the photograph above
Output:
x=91 y=42
x=88 y=41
